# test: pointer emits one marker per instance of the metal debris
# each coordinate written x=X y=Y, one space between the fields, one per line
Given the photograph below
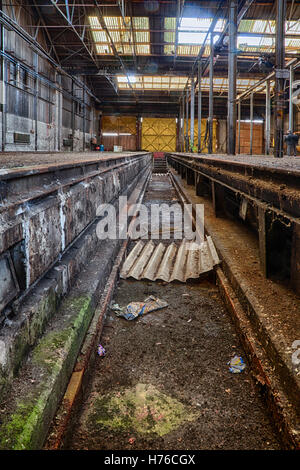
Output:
x=169 y=263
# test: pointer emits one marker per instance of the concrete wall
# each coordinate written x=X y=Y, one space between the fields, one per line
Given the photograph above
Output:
x=47 y=234
x=48 y=106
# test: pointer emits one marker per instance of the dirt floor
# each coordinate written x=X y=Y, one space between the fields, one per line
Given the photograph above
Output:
x=165 y=382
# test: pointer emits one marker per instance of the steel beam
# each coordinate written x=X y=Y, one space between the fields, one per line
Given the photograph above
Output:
x=232 y=68
x=69 y=19
x=279 y=78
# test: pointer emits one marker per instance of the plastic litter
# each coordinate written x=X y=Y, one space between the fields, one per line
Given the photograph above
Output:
x=237 y=365
x=136 y=309
x=101 y=350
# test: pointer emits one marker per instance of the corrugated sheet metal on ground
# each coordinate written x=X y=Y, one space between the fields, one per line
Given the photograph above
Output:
x=170 y=262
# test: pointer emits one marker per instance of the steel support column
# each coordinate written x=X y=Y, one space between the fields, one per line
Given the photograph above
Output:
x=232 y=67
x=279 y=78
x=192 y=132
x=211 y=94
x=291 y=106
x=182 y=125
x=187 y=120
x=35 y=100
x=251 y=123
x=239 y=126
x=3 y=84
x=73 y=117
x=267 y=119
x=199 y=104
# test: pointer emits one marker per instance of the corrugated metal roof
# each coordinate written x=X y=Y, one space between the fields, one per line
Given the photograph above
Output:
x=245 y=43
x=170 y=262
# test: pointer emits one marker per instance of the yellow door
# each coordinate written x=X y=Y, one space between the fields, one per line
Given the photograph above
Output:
x=159 y=134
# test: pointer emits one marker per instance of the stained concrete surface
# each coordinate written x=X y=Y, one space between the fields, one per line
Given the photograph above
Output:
x=21 y=159
x=264 y=161
x=164 y=382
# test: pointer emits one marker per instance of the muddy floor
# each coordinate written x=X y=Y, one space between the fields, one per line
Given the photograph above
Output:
x=165 y=382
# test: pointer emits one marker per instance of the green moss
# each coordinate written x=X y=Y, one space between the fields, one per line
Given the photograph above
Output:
x=23 y=428
x=50 y=351
x=17 y=434
x=50 y=348
x=142 y=409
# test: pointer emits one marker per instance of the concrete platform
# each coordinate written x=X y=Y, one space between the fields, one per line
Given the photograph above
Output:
x=265 y=196
x=271 y=312
x=21 y=159
x=263 y=161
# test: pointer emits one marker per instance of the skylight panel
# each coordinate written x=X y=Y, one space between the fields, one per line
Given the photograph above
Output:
x=293 y=27
x=153 y=82
x=250 y=41
x=121 y=34
x=200 y=24
x=191 y=38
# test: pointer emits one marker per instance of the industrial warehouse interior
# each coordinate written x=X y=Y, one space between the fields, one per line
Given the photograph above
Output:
x=149 y=227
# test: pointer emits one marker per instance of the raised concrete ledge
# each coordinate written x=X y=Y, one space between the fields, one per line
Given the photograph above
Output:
x=14 y=164
x=32 y=313
x=39 y=223
x=275 y=187
x=33 y=397
x=249 y=164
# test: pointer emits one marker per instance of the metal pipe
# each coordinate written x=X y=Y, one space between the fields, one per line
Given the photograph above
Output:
x=232 y=66
x=251 y=123
x=199 y=104
x=211 y=94
x=279 y=78
x=291 y=105
x=267 y=119
x=239 y=126
x=192 y=114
